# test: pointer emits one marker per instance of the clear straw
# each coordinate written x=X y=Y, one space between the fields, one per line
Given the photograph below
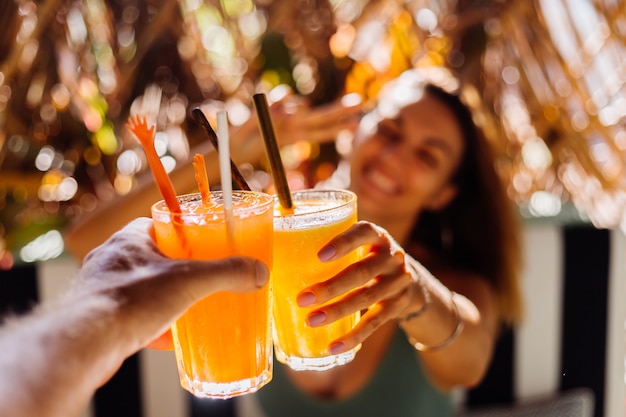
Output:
x=225 y=174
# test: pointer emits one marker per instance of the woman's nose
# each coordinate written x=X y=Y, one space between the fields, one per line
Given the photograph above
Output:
x=396 y=153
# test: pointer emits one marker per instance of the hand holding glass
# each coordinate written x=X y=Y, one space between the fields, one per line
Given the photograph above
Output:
x=222 y=343
x=318 y=216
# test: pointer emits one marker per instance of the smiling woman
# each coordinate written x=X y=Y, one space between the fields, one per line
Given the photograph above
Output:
x=543 y=78
x=442 y=268
x=422 y=152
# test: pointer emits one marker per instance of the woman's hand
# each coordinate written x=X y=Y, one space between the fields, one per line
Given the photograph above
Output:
x=295 y=120
x=379 y=285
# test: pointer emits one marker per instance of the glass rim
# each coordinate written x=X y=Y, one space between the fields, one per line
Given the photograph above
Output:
x=160 y=207
x=352 y=197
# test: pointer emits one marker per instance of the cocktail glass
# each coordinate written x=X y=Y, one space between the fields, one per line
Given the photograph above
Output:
x=318 y=216
x=223 y=343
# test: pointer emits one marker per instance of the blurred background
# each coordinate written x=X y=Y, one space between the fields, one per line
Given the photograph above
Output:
x=546 y=79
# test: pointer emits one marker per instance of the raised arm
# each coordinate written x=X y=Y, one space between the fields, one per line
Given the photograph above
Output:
x=291 y=122
x=450 y=318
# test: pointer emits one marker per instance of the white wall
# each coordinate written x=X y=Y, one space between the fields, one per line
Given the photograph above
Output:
x=538 y=341
x=616 y=346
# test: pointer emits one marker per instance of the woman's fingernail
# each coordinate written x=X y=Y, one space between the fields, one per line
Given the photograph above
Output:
x=306 y=299
x=326 y=253
x=336 y=348
x=262 y=274
x=316 y=318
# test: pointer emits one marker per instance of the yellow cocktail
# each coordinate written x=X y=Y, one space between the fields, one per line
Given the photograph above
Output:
x=318 y=216
x=222 y=343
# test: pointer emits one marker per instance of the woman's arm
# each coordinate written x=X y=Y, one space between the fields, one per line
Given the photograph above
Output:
x=456 y=329
x=390 y=285
x=315 y=125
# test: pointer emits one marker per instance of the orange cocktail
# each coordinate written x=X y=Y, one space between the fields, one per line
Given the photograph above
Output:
x=318 y=216
x=222 y=343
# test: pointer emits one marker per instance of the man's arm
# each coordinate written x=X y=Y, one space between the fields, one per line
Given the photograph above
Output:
x=126 y=295
x=53 y=360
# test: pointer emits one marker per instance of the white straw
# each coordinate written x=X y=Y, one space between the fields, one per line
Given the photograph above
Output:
x=225 y=173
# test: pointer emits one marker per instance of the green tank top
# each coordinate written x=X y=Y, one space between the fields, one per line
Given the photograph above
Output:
x=399 y=387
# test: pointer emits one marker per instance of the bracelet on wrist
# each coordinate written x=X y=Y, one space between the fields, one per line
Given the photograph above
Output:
x=455 y=333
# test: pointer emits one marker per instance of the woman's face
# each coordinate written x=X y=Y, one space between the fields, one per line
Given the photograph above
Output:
x=406 y=165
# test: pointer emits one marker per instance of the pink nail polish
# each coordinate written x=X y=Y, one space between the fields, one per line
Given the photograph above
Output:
x=306 y=299
x=336 y=348
x=316 y=318
x=326 y=253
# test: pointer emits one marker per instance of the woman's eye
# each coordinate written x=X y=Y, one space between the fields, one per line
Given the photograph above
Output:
x=428 y=158
x=388 y=131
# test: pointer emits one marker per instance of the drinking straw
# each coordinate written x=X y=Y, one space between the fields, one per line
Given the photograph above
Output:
x=225 y=173
x=202 y=120
x=145 y=136
x=199 y=168
x=273 y=153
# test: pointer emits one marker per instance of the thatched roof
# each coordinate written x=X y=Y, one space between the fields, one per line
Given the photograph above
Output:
x=545 y=77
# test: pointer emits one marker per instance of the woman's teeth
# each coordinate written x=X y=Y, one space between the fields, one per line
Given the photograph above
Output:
x=382 y=182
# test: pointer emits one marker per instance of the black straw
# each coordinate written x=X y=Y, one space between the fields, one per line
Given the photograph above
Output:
x=201 y=118
x=273 y=153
